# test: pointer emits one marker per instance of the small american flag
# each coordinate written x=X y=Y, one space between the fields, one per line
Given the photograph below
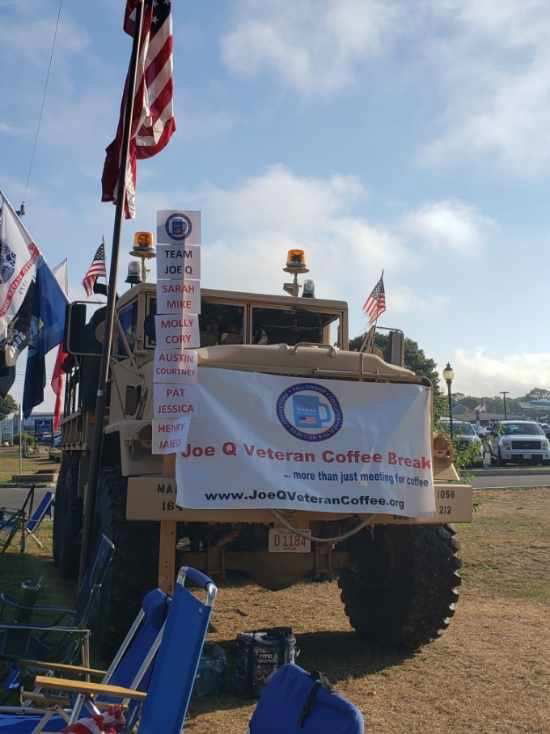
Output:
x=95 y=271
x=375 y=305
x=153 y=122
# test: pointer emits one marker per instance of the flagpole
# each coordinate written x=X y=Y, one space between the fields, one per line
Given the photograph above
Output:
x=97 y=444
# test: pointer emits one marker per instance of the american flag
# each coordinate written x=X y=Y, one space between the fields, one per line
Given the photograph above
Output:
x=375 y=305
x=95 y=271
x=153 y=121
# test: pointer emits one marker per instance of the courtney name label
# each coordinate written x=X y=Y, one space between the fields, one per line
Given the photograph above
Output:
x=177 y=332
x=176 y=297
x=178 y=262
x=176 y=367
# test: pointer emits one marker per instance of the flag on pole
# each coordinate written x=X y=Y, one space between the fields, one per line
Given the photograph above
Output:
x=61 y=273
x=153 y=122
x=19 y=256
x=375 y=305
x=96 y=270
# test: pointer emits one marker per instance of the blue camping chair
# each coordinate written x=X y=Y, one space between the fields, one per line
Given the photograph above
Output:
x=166 y=700
x=131 y=667
x=44 y=508
x=12 y=520
x=53 y=633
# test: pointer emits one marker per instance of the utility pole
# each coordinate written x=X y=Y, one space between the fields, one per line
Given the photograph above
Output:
x=504 y=393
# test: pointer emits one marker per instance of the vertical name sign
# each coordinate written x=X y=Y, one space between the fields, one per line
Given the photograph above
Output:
x=177 y=325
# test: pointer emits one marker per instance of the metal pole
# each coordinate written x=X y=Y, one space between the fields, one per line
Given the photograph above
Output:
x=97 y=443
x=450 y=409
x=20 y=439
x=504 y=393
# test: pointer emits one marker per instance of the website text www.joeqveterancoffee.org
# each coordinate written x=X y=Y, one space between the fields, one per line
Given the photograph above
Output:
x=256 y=495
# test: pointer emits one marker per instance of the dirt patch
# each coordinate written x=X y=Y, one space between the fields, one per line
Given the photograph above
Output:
x=489 y=673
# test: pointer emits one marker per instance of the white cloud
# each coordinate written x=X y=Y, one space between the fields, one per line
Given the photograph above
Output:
x=316 y=46
x=481 y=373
x=449 y=225
x=494 y=61
x=31 y=37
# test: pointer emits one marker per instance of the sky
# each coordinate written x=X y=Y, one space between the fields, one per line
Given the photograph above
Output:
x=411 y=136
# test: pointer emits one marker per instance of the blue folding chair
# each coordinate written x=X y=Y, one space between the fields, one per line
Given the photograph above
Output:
x=166 y=700
x=131 y=667
x=12 y=520
x=44 y=508
x=53 y=633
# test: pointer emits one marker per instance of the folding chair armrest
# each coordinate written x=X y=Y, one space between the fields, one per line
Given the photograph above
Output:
x=62 y=667
x=47 y=628
x=89 y=689
x=9 y=601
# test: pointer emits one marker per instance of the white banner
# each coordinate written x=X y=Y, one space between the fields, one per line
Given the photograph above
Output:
x=175 y=367
x=169 y=435
x=263 y=441
x=177 y=332
x=175 y=401
x=176 y=226
x=176 y=297
x=178 y=263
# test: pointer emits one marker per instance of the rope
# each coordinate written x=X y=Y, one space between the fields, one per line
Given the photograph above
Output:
x=335 y=539
x=44 y=95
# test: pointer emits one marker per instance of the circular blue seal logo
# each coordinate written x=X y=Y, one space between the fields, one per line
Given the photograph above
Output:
x=178 y=226
x=7 y=263
x=309 y=412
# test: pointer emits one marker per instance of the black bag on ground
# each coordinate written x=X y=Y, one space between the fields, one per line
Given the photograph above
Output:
x=259 y=654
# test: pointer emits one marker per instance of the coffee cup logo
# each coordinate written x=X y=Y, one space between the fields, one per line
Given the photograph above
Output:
x=309 y=411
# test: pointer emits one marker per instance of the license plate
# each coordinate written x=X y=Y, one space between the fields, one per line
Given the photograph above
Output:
x=282 y=540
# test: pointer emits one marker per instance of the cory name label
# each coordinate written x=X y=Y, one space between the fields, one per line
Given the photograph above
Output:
x=178 y=262
x=176 y=297
x=177 y=332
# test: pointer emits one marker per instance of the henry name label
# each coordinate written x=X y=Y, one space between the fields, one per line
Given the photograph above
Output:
x=177 y=332
x=175 y=401
x=170 y=435
x=176 y=367
x=176 y=226
x=177 y=297
x=178 y=262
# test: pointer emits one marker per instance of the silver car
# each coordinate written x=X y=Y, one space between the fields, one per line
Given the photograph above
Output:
x=519 y=441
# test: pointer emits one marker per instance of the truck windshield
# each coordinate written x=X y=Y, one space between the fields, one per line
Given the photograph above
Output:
x=219 y=323
x=291 y=326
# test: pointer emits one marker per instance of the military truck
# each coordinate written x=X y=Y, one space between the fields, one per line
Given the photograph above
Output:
x=398 y=577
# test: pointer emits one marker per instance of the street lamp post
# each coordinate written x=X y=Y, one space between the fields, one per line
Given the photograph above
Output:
x=448 y=376
x=504 y=393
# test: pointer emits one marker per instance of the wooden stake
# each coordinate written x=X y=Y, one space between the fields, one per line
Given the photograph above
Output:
x=167 y=540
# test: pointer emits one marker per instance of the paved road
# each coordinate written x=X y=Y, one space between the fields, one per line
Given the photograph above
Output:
x=503 y=480
x=14 y=498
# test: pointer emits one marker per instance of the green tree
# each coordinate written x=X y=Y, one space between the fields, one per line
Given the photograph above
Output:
x=7 y=406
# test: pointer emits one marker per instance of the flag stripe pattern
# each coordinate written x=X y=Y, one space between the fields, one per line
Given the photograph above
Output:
x=95 y=271
x=375 y=305
x=153 y=122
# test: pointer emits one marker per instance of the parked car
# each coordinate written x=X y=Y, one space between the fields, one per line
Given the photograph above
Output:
x=517 y=441
x=465 y=437
x=546 y=428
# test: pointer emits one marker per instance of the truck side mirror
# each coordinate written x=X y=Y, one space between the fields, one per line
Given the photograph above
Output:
x=76 y=337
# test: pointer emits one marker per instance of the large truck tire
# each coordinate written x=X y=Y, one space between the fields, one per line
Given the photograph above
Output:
x=402 y=587
x=134 y=570
x=67 y=519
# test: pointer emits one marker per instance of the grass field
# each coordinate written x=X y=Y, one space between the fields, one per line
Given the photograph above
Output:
x=489 y=674
x=9 y=463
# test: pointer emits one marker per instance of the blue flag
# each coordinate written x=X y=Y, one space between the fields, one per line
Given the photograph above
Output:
x=47 y=327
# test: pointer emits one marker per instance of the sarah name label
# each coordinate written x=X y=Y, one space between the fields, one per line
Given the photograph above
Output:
x=169 y=435
x=175 y=401
x=176 y=367
x=177 y=332
x=175 y=297
x=178 y=262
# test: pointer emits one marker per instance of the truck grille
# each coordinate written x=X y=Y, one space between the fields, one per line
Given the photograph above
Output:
x=526 y=445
